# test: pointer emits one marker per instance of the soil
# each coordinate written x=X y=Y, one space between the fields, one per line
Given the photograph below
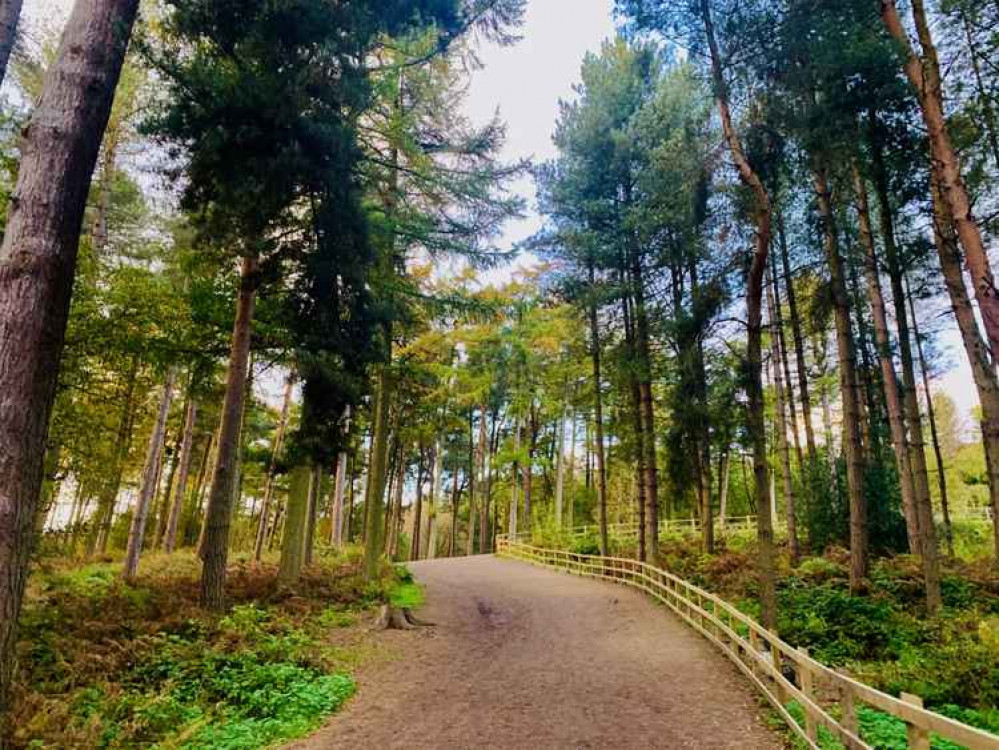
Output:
x=522 y=657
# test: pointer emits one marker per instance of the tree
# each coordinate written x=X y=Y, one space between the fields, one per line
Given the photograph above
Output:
x=37 y=265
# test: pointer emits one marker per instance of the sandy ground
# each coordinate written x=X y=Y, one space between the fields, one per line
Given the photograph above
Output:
x=522 y=657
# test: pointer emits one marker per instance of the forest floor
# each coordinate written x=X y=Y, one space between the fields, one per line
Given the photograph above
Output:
x=526 y=658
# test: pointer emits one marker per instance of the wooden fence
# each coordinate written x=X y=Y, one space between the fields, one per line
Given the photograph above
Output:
x=829 y=699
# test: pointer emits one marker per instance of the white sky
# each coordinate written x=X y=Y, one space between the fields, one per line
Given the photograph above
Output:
x=524 y=83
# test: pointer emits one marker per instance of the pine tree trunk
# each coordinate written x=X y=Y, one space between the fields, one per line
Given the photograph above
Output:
x=598 y=422
x=375 y=489
x=452 y=546
x=478 y=479
x=10 y=13
x=799 y=342
x=154 y=457
x=783 y=448
x=218 y=516
x=514 y=486
x=910 y=398
x=893 y=399
x=395 y=516
x=414 y=546
x=336 y=514
x=924 y=75
x=104 y=514
x=703 y=428
x=434 y=500
x=485 y=537
x=58 y=153
x=265 y=506
x=756 y=426
x=638 y=428
x=163 y=515
x=559 y=446
x=312 y=516
x=293 y=543
x=187 y=444
x=982 y=370
x=931 y=416
x=852 y=440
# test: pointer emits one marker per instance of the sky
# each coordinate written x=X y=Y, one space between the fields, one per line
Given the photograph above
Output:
x=524 y=83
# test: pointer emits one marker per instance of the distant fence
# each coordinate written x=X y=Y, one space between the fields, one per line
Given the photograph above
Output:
x=733 y=524
x=828 y=698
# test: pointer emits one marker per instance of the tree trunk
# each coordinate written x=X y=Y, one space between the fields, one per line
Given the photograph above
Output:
x=10 y=13
x=375 y=490
x=924 y=75
x=163 y=515
x=723 y=474
x=931 y=416
x=104 y=515
x=703 y=428
x=154 y=456
x=982 y=370
x=756 y=426
x=434 y=500
x=910 y=398
x=852 y=440
x=514 y=485
x=192 y=523
x=187 y=443
x=218 y=516
x=296 y=519
x=455 y=499
x=783 y=447
x=59 y=150
x=480 y=481
x=638 y=428
x=799 y=342
x=395 y=516
x=336 y=515
x=414 y=546
x=313 y=515
x=893 y=399
x=265 y=506
x=598 y=423
x=559 y=445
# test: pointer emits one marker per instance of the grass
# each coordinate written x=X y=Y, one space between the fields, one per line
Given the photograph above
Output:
x=109 y=665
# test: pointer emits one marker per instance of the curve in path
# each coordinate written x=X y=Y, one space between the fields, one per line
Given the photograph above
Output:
x=523 y=658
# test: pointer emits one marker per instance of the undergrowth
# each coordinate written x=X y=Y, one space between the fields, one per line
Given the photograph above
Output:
x=103 y=664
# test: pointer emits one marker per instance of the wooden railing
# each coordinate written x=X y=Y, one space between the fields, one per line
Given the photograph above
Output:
x=829 y=699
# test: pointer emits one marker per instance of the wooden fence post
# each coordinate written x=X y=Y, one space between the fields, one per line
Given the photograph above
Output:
x=919 y=738
x=807 y=687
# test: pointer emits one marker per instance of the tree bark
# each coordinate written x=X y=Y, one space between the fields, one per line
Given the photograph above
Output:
x=37 y=267
x=265 y=505
x=783 y=448
x=889 y=379
x=104 y=514
x=375 y=488
x=514 y=485
x=799 y=342
x=414 y=546
x=187 y=444
x=218 y=516
x=154 y=457
x=756 y=426
x=924 y=75
x=932 y=418
x=598 y=420
x=293 y=543
x=336 y=515
x=312 y=518
x=852 y=440
x=982 y=370
x=434 y=500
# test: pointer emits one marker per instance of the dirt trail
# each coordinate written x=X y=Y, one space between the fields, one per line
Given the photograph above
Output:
x=527 y=658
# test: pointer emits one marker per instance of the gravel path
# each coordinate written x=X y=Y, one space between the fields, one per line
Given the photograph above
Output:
x=523 y=658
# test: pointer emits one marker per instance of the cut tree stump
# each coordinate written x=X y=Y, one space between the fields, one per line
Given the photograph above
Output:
x=398 y=618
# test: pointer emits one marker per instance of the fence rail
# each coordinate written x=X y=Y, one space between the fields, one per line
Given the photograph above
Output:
x=828 y=698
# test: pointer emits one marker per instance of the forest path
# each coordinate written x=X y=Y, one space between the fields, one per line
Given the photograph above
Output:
x=527 y=658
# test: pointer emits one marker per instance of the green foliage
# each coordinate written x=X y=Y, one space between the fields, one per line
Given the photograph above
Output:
x=115 y=666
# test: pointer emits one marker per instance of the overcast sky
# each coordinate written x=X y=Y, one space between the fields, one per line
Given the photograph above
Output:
x=524 y=83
